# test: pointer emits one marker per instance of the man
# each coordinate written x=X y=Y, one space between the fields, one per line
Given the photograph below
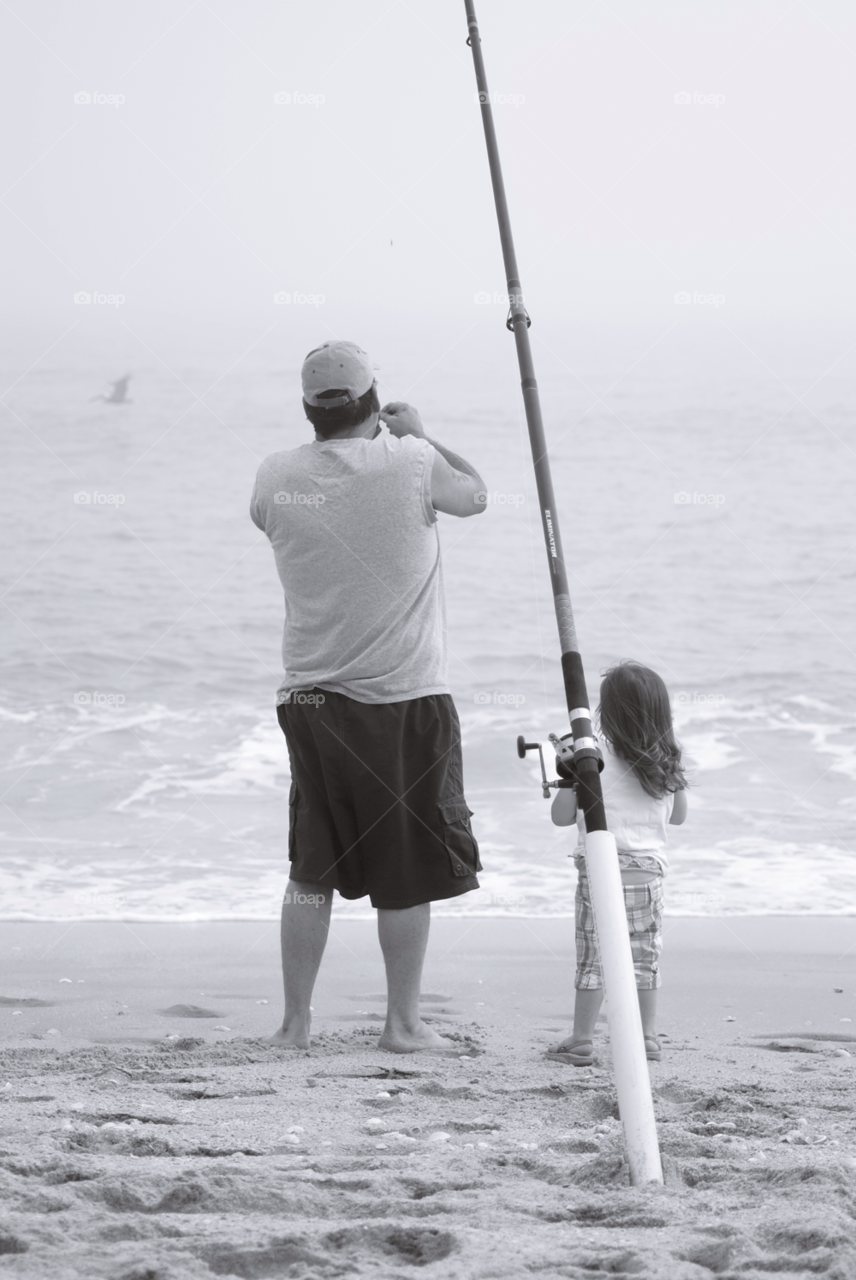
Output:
x=377 y=798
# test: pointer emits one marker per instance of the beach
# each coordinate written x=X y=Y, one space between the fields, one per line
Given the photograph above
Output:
x=150 y=1130
x=197 y=198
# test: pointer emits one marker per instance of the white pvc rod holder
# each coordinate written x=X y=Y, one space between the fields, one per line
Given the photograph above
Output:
x=630 y=1065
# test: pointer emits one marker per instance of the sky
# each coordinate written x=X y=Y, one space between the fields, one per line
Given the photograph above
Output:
x=673 y=168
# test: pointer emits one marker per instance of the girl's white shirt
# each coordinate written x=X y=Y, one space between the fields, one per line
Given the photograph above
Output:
x=637 y=820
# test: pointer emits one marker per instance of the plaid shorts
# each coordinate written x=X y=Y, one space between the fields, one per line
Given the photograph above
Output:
x=644 y=906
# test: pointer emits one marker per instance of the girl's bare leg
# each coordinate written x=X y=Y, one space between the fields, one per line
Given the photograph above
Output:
x=586 y=1008
x=648 y=1009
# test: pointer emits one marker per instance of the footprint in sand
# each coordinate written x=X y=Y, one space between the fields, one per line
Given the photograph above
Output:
x=25 y=1002
x=188 y=1011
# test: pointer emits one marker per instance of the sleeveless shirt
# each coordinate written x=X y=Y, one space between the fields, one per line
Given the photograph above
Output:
x=637 y=820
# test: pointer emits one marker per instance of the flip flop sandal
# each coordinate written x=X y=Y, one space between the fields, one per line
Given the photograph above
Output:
x=652 y=1048
x=579 y=1054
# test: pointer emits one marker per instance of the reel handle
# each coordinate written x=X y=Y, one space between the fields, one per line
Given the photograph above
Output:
x=522 y=747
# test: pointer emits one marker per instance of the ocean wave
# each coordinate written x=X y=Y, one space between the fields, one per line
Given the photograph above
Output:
x=18 y=717
x=746 y=875
x=145 y=766
x=754 y=875
x=257 y=763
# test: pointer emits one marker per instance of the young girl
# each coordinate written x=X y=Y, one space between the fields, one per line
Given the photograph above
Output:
x=644 y=790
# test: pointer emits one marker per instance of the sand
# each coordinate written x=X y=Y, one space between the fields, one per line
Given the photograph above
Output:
x=148 y=1130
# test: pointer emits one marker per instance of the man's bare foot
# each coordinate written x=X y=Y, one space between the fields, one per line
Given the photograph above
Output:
x=292 y=1035
x=418 y=1039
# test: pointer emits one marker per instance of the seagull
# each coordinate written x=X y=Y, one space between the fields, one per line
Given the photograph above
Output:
x=119 y=394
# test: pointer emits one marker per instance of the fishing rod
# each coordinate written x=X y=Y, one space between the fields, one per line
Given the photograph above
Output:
x=577 y=752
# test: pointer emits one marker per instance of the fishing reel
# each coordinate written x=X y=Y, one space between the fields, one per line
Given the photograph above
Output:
x=566 y=760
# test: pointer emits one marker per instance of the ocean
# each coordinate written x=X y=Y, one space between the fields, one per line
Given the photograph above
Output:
x=708 y=530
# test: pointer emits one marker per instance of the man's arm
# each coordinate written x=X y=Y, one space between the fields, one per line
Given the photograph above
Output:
x=456 y=488
x=256 y=512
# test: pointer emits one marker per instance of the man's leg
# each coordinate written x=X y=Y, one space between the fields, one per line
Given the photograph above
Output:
x=403 y=939
x=303 y=935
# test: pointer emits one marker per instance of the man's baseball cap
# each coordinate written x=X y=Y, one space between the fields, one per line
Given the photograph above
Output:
x=339 y=367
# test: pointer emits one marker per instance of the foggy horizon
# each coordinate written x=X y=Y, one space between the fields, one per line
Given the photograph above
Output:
x=679 y=153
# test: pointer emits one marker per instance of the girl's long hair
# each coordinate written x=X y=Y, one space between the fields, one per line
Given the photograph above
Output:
x=636 y=719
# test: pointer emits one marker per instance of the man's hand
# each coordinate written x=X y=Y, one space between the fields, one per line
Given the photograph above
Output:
x=456 y=488
x=402 y=419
